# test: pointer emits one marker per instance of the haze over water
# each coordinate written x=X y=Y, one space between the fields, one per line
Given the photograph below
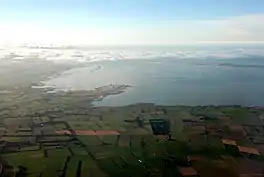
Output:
x=219 y=76
x=190 y=75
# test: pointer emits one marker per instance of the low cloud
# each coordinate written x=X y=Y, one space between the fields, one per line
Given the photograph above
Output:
x=88 y=54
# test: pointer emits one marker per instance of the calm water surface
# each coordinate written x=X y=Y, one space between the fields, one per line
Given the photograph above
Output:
x=173 y=81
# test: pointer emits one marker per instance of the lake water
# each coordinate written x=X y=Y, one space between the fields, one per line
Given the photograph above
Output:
x=173 y=80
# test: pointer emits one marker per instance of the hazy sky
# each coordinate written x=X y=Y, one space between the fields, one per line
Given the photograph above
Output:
x=106 y=22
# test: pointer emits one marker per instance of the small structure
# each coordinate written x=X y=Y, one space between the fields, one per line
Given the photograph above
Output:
x=63 y=132
x=229 y=142
x=248 y=150
x=231 y=146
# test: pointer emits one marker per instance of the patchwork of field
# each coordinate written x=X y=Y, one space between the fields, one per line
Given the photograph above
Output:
x=204 y=141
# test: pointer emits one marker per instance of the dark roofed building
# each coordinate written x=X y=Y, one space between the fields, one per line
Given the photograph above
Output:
x=160 y=126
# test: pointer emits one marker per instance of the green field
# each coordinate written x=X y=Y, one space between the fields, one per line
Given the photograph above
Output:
x=136 y=149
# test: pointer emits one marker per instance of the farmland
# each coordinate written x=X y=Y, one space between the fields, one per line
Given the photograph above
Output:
x=108 y=141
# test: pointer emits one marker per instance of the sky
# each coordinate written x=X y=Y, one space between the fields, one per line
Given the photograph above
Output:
x=131 y=22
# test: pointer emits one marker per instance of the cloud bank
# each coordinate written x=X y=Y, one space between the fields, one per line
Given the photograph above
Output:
x=87 y=54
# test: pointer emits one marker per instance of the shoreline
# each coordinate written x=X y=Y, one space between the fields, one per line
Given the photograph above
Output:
x=36 y=89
